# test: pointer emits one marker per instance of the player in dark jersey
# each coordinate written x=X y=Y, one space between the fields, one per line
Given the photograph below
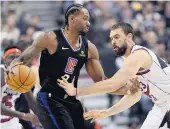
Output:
x=63 y=53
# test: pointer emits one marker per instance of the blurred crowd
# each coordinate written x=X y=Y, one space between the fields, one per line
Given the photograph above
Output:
x=17 y=28
x=150 y=20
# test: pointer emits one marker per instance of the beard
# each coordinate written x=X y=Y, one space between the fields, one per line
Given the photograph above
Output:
x=120 y=50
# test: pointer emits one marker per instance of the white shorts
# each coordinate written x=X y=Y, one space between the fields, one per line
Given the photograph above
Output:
x=12 y=124
x=156 y=115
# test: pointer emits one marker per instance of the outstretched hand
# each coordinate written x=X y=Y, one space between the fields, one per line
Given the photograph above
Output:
x=10 y=68
x=96 y=114
x=68 y=87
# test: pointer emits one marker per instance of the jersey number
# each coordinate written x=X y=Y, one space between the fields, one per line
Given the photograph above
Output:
x=6 y=102
x=145 y=89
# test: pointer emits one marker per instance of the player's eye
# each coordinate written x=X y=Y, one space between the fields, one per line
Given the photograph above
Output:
x=117 y=37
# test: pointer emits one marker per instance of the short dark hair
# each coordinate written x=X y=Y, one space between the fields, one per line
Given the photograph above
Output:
x=127 y=28
x=72 y=9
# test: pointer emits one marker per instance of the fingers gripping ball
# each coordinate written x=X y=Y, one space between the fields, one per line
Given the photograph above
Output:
x=21 y=79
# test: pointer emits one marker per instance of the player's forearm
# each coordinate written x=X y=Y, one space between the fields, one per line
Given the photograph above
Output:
x=8 y=112
x=109 y=85
x=26 y=56
x=97 y=88
x=126 y=102
x=31 y=100
x=106 y=86
x=122 y=91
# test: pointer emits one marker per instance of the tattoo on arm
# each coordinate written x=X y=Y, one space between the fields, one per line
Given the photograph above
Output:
x=32 y=51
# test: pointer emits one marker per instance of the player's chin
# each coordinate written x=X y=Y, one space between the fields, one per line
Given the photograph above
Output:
x=116 y=53
x=86 y=29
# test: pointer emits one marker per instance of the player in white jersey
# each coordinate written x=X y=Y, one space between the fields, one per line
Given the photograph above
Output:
x=9 y=117
x=152 y=71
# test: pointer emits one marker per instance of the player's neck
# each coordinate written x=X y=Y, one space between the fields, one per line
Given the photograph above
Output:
x=128 y=51
x=71 y=36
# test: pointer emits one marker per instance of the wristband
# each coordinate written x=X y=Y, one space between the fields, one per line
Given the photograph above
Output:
x=23 y=116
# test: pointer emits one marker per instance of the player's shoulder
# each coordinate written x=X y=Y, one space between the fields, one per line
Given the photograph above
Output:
x=140 y=53
x=92 y=50
x=50 y=35
x=91 y=46
x=138 y=47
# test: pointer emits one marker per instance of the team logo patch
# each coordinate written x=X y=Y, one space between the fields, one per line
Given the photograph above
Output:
x=71 y=63
x=82 y=54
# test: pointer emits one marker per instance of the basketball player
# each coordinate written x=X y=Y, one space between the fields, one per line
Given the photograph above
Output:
x=152 y=71
x=9 y=117
x=26 y=101
x=63 y=53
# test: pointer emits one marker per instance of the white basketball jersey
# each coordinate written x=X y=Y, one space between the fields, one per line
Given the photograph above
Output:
x=155 y=81
x=8 y=97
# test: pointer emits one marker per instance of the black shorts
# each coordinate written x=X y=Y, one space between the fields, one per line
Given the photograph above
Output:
x=166 y=119
x=56 y=113
x=21 y=105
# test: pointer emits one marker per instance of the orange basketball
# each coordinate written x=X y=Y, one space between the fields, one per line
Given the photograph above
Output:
x=21 y=79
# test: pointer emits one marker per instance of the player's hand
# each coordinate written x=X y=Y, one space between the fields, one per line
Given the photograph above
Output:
x=133 y=86
x=68 y=87
x=33 y=118
x=10 y=68
x=96 y=114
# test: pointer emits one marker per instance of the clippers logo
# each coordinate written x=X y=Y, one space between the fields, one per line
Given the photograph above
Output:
x=71 y=63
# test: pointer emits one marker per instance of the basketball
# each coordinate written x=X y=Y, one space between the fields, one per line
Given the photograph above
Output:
x=21 y=79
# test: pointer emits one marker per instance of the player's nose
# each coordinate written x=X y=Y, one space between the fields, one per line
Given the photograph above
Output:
x=113 y=43
x=88 y=24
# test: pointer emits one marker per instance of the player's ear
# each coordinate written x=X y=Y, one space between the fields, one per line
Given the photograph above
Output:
x=71 y=19
x=130 y=36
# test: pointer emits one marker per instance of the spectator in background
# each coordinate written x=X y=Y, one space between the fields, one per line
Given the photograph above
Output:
x=9 y=30
x=35 y=23
x=29 y=34
x=167 y=14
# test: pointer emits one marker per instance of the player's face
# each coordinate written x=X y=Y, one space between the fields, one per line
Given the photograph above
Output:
x=82 y=23
x=119 y=41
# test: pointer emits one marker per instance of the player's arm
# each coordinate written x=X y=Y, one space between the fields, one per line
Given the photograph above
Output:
x=8 y=112
x=24 y=116
x=131 y=87
x=131 y=67
x=126 y=102
x=128 y=71
x=31 y=100
x=95 y=70
x=38 y=45
x=93 y=66
x=29 y=95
